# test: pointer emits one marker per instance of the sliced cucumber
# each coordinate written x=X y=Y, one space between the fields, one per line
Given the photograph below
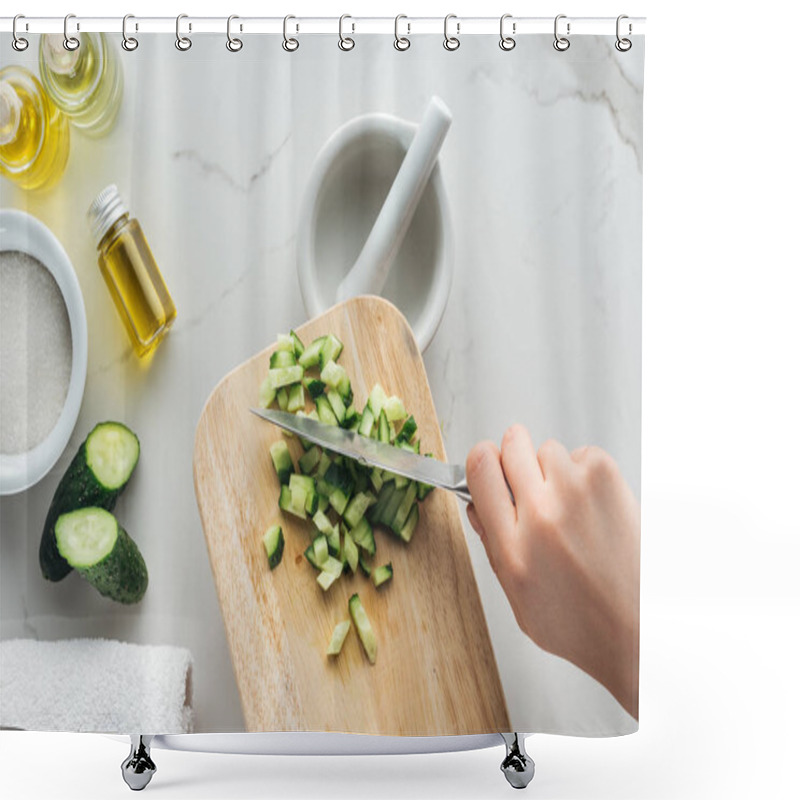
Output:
x=315 y=387
x=363 y=536
x=363 y=628
x=92 y=541
x=381 y=575
x=266 y=394
x=331 y=350
x=326 y=415
x=331 y=571
x=310 y=356
x=337 y=639
x=377 y=397
x=367 y=421
x=363 y=562
x=337 y=405
x=410 y=525
x=282 y=358
x=309 y=460
x=394 y=408
x=285 y=376
x=408 y=430
x=349 y=551
x=297 y=398
x=298 y=345
x=322 y=523
x=282 y=461
x=339 y=500
x=401 y=515
x=282 y=396
x=96 y=476
x=273 y=544
x=285 y=343
x=384 y=432
x=357 y=507
x=332 y=374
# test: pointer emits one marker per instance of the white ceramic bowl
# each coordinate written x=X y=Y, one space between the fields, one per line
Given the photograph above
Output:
x=22 y=232
x=349 y=180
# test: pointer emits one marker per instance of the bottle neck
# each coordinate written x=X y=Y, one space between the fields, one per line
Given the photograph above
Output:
x=113 y=230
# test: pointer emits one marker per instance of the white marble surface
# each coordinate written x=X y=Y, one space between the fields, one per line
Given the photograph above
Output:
x=543 y=171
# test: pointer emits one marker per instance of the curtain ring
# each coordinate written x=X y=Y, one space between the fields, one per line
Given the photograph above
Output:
x=233 y=44
x=70 y=42
x=507 y=42
x=20 y=43
x=623 y=44
x=289 y=44
x=183 y=43
x=561 y=43
x=401 y=42
x=346 y=42
x=129 y=43
x=451 y=42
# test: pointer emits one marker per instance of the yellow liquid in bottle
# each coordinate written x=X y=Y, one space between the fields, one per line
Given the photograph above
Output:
x=34 y=134
x=86 y=83
x=137 y=288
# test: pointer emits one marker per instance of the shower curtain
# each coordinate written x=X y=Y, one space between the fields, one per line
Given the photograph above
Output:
x=256 y=176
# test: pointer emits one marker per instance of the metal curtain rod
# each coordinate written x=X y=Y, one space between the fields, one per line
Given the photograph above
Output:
x=461 y=26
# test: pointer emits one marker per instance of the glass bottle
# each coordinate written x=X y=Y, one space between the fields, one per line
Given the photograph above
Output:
x=85 y=83
x=133 y=278
x=34 y=134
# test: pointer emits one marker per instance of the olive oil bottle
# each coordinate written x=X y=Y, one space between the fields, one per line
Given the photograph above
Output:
x=85 y=83
x=133 y=278
x=34 y=134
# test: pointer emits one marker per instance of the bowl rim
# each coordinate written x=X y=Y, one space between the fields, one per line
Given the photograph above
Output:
x=402 y=131
x=23 y=232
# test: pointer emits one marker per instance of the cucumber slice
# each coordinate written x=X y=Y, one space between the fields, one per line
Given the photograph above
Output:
x=282 y=461
x=315 y=387
x=339 y=500
x=363 y=628
x=377 y=397
x=310 y=356
x=394 y=408
x=337 y=639
x=384 y=432
x=338 y=476
x=92 y=541
x=331 y=571
x=332 y=374
x=285 y=376
x=285 y=343
x=303 y=485
x=273 y=544
x=299 y=347
x=309 y=460
x=326 y=415
x=357 y=507
x=363 y=536
x=331 y=350
x=266 y=394
x=363 y=562
x=384 y=496
x=337 y=405
x=322 y=523
x=408 y=430
x=320 y=549
x=367 y=421
x=390 y=509
x=410 y=525
x=282 y=358
x=382 y=574
x=403 y=510
x=297 y=398
x=96 y=476
x=349 y=551
x=334 y=541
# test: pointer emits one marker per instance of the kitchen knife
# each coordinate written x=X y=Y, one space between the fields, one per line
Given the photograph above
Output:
x=372 y=452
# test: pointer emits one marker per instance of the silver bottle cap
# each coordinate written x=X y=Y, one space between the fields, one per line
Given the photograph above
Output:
x=104 y=211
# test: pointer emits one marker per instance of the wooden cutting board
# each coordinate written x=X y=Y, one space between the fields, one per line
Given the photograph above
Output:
x=435 y=672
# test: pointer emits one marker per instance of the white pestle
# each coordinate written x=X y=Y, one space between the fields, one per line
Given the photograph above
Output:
x=368 y=275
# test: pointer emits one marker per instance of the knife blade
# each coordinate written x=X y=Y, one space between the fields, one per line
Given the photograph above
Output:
x=371 y=452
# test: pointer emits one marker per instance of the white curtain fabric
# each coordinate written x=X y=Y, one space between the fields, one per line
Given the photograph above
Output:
x=212 y=150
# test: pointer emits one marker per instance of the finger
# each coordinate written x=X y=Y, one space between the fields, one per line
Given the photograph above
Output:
x=555 y=460
x=519 y=462
x=475 y=521
x=491 y=500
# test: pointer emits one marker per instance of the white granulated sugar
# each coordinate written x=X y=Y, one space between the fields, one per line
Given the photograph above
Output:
x=35 y=352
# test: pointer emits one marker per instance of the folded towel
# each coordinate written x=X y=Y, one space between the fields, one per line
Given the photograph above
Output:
x=95 y=685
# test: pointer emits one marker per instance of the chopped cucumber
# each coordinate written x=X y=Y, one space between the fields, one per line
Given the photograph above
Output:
x=282 y=358
x=349 y=551
x=304 y=484
x=408 y=430
x=273 y=544
x=363 y=536
x=384 y=432
x=285 y=376
x=331 y=350
x=394 y=408
x=309 y=460
x=92 y=541
x=332 y=374
x=320 y=549
x=363 y=628
x=377 y=397
x=401 y=515
x=367 y=421
x=297 y=398
x=315 y=387
x=337 y=639
x=338 y=476
x=266 y=393
x=282 y=460
x=357 y=507
x=326 y=415
x=282 y=397
x=390 y=509
x=96 y=476
x=285 y=343
x=381 y=575
x=298 y=345
x=410 y=525
x=339 y=500
x=363 y=562
x=322 y=523
x=334 y=541
x=310 y=356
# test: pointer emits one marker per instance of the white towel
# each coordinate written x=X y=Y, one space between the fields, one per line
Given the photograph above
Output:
x=95 y=685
